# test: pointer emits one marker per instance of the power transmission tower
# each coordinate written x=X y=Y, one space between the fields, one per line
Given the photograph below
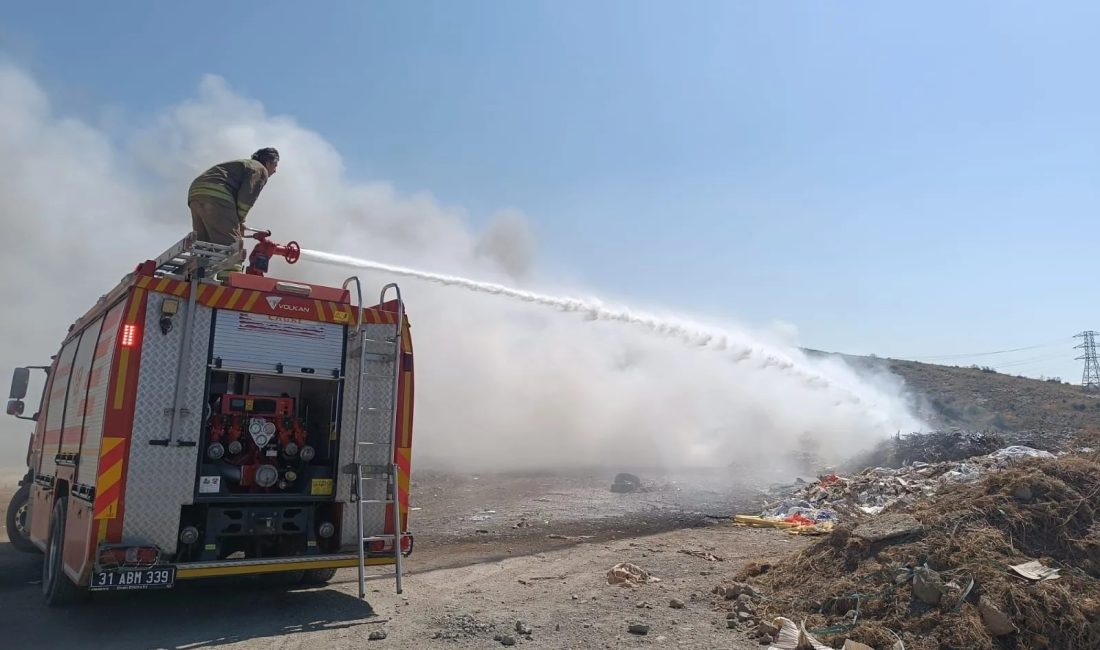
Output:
x=1090 y=378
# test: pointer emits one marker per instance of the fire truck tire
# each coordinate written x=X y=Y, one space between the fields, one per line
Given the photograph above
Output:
x=56 y=586
x=318 y=576
x=18 y=521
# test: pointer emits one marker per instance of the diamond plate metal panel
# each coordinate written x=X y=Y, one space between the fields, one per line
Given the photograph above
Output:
x=375 y=425
x=161 y=479
x=97 y=396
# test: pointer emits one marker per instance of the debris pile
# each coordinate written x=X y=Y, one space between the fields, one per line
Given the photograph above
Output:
x=872 y=491
x=1010 y=559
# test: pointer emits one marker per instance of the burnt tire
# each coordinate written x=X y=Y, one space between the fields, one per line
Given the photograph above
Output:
x=57 y=588
x=318 y=576
x=18 y=521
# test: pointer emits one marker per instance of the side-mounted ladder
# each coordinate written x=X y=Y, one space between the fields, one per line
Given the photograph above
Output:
x=374 y=422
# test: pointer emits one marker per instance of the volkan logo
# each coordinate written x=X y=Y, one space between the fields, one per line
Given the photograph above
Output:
x=277 y=304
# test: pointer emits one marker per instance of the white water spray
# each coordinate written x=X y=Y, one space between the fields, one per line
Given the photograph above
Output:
x=738 y=348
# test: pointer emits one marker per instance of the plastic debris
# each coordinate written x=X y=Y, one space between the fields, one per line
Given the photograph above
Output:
x=794 y=637
x=875 y=490
x=1018 y=452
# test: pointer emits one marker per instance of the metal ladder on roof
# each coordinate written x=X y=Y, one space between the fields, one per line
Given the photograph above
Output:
x=189 y=255
x=373 y=461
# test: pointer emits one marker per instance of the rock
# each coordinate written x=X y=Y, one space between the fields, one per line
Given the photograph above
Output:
x=523 y=628
x=765 y=639
x=377 y=635
x=638 y=628
x=734 y=589
x=576 y=597
x=676 y=603
x=765 y=628
x=507 y=640
x=927 y=586
x=855 y=645
x=644 y=604
x=625 y=483
x=557 y=627
x=996 y=622
x=744 y=617
x=730 y=615
x=886 y=527
x=731 y=623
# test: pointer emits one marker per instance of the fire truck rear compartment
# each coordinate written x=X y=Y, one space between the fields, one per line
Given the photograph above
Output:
x=267 y=438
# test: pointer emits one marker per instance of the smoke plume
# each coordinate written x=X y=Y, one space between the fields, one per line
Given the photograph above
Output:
x=501 y=383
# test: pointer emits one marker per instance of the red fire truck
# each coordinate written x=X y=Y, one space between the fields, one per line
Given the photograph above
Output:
x=199 y=421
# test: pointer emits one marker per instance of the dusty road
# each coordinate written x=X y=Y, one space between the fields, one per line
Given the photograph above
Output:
x=484 y=560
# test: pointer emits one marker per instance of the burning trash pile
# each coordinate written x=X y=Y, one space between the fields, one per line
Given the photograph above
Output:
x=818 y=506
x=1004 y=559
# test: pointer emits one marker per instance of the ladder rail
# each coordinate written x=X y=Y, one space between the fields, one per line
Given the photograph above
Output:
x=392 y=499
x=399 y=330
x=189 y=255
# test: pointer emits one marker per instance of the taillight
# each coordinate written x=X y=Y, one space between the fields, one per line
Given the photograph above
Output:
x=116 y=556
x=129 y=335
x=382 y=546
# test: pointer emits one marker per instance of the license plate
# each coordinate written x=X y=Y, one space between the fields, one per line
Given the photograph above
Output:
x=158 y=577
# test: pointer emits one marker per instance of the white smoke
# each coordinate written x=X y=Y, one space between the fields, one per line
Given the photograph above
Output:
x=500 y=384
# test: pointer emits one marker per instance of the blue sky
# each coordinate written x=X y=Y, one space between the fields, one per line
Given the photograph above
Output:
x=912 y=181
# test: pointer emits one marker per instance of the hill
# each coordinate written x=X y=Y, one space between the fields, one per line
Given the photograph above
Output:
x=981 y=399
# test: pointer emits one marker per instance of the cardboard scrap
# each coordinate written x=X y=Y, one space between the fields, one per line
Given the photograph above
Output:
x=1034 y=570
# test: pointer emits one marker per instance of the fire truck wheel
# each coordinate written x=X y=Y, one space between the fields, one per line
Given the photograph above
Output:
x=18 y=522
x=56 y=586
x=318 y=576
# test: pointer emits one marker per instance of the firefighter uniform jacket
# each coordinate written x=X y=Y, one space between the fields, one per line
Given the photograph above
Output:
x=236 y=183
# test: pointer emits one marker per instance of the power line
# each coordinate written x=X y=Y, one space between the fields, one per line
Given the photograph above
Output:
x=1030 y=361
x=1090 y=377
x=944 y=357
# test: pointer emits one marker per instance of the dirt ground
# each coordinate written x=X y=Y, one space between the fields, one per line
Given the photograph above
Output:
x=484 y=559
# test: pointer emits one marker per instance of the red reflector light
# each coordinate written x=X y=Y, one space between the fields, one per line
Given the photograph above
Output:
x=128 y=556
x=129 y=335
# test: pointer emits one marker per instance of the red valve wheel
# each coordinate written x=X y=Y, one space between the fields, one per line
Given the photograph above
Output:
x=293 y=252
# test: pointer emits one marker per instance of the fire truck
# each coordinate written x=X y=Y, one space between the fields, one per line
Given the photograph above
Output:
x=204 y=421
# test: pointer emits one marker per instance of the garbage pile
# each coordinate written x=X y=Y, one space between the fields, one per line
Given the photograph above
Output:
x=833 y=498
x=1009 y=559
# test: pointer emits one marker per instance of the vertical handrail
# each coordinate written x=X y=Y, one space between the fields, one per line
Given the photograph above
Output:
x=357 y=487
x=399 y=329
x=359 y=302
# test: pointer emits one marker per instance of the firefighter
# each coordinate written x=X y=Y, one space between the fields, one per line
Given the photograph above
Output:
x=221 y=197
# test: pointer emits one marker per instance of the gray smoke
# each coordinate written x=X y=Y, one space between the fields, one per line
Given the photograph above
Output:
x=500 y=383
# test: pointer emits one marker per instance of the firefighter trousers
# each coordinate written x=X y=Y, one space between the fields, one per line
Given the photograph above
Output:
x=214 y=221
